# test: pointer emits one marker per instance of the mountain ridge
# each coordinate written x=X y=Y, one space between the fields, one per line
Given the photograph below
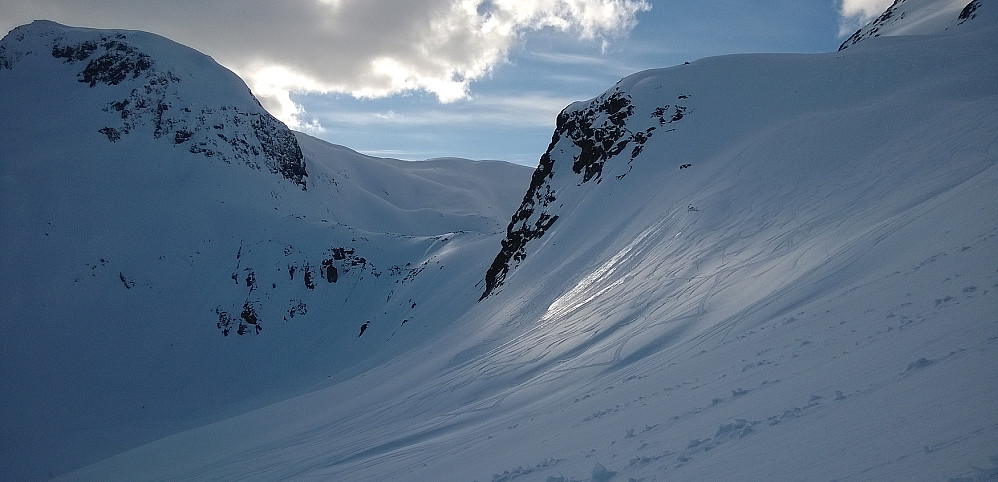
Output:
x=924 y=17
x=793 y=266
x=161 y=279
x=589 y=134
x=120 y=58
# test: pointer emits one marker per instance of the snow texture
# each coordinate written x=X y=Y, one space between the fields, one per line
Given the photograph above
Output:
x=749 y=267
x=153 y=282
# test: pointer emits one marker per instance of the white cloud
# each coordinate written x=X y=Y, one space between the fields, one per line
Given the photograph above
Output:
x=365 y=48
x=864 y=9
x=856 y=13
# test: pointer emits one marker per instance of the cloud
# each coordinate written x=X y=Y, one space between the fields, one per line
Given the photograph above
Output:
x=856 y=13
x=365 y=48
x=524 y=110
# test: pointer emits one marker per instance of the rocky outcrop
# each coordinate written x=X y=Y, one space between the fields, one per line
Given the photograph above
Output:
x=115 y=61
x=335 y=271
x=589 y=136
x=970 y=11
x=156 y=100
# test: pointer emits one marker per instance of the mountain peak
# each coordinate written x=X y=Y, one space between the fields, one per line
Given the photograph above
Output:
x=917 y=17
x=147 y=85
x=617 y=138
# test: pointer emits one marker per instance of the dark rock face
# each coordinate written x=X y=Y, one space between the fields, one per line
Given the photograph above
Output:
x=341 y=267
x=309 y=283
x=520 y=230
x=331 y=273
x=599 y=132
x=592 y=136
x=74 y=53
x=968 y=12
x=117 y=60
x=280 y=148
x=347 y=258
x=246 y=319
x=249 y=316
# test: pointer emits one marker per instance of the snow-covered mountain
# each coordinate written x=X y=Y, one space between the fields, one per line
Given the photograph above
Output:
x=172 y=253
x=916 y=17
x=776 y=267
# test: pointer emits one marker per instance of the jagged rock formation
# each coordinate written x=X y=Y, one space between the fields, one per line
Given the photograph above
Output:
x=589 y=135
x=969 y=12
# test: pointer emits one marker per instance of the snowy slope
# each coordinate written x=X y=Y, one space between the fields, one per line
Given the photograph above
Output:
x=792 y=278
x=916 y=17
x=775 y=267
x=172 y=254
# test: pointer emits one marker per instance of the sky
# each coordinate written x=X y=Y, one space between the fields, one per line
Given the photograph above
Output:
x=478 y=79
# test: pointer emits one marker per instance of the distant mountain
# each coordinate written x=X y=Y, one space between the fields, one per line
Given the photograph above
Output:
x=916 y=17
x=748 y=267
x=172 y=252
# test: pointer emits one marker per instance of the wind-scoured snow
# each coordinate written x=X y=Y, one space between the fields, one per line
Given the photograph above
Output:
x=761 y=267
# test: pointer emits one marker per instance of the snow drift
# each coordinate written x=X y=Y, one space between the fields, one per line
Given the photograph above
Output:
x=749 y=266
